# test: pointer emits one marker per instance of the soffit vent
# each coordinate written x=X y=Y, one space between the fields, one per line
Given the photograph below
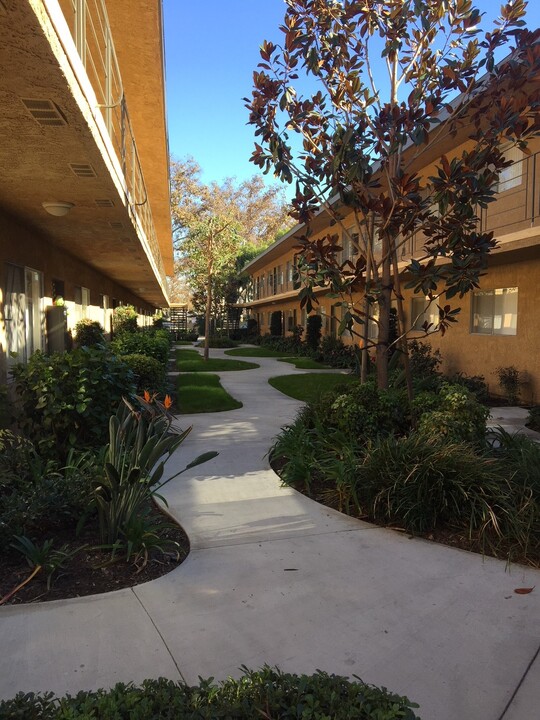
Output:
x=82 y=170
x=116 y=225
x=104 y=202
x=45 y=112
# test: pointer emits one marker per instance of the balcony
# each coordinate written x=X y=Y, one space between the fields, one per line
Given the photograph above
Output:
x=514 y=215
x=90 y=30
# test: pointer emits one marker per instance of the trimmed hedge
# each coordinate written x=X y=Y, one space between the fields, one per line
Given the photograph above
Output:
x=267 y=693
x=149 y=372
x=142 y=343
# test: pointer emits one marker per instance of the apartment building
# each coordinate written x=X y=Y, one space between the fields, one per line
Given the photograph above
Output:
x=84 y=181
x=499 y=324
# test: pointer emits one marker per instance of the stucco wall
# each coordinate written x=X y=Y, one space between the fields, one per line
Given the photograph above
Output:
x=23 y=246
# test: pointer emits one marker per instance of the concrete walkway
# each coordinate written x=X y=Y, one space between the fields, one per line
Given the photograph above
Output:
x=276 y=578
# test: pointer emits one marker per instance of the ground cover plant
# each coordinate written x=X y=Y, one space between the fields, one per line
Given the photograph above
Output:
x=90 y=524
x=254 y=352
x=267 y=693
x=427 y=467
x=203 y=392
x=191 y=361
x=308 y=387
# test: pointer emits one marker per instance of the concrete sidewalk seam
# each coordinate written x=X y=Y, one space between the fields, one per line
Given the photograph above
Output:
x=160 y=635
x=520 y=683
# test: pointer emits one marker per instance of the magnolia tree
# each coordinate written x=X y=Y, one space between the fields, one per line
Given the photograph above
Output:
x=388 y=81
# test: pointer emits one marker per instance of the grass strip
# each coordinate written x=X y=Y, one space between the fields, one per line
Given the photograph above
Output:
x=309 y=387
x=191 y=361
x=203 y=393
x=255 y=352
x=305 y=363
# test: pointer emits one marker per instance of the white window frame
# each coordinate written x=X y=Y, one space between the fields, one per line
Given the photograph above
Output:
x=492 y=329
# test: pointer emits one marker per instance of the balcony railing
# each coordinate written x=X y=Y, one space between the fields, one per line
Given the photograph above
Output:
x=516 y=208
x=89 y=25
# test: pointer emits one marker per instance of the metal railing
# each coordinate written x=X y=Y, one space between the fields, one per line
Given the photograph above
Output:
x=516 y=208
x=89 y=25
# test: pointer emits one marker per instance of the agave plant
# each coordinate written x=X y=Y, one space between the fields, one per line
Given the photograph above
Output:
x=141 y=440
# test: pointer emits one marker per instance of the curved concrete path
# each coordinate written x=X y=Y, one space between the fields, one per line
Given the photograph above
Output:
x=276 y=578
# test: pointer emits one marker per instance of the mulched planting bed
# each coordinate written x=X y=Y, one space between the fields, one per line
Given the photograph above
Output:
x=88 y=572
x=455 y=538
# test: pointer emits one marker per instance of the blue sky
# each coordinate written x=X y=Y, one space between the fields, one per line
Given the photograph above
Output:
x=212 y=48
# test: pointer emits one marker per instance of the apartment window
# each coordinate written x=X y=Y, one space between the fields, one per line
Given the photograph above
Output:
x=303 y=321
x=291 y=320
x=269 y=318
x=512 y=176
x=373 y=327
x=424 y=312
x=494 y=312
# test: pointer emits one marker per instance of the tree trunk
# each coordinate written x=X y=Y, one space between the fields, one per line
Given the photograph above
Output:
x=401 y=324
x=207 y=319
x=365 y=332
x=385 y=301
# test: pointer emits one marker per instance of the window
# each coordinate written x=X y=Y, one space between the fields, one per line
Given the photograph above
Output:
x=512 y=176
x=422 y=311
x=373 y=326
x=289 y=275
x=494 y=312
x=269 y=316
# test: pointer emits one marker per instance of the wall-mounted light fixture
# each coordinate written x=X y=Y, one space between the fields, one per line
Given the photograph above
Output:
x=58 y=208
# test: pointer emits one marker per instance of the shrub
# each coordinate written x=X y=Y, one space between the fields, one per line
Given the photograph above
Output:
x=276 y=323
x=313 y=331
x=533 y=421
x=264 y=693
x=219 y=342
x=475 y=384
x=125 y=319
x=142 y=343
x=509 y=382
x=286 y=345
x=336 y=354
x=364 y=411
x=66 y=399
x=424 y=361
x=88 y=333
x=37 y=494
x=459 y=417
x=149 y=373
x=426 y=482
x=184 y=335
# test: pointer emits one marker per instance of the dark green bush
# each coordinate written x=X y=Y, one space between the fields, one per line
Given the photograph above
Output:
x=125 y=319
x=336 y=354
x=286 y=345
x=362 y=410
x=37 y=494
x=455 y=414
x=475 y=384
x=89 y=332
x=149 y=373
x=313 y=331
x=276 y=323
x=266 y=693
x=533 y=421
x=219 y=342
x=66 y=399
x=186 y=336
x=424 y=361
x=142 y=343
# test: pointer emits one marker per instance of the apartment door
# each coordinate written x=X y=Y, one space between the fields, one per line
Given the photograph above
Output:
x=23 y=312
x=34 y=318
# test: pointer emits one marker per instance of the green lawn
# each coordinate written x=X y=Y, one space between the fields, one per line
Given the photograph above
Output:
x=305 y=363
x=309 y=387
x=255 y=352
x=192 y=361
x=203 y=393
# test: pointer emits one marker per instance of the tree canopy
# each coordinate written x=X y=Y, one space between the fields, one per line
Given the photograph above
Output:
x=352 y=145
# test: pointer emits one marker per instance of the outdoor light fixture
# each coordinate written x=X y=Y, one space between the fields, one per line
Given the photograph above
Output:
x=58 y=208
